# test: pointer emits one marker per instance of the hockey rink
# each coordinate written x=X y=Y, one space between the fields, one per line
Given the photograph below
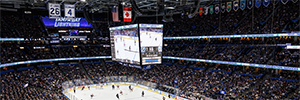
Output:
x=107 y=93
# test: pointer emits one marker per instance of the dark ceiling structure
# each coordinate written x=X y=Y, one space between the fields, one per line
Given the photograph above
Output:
x=141 y=8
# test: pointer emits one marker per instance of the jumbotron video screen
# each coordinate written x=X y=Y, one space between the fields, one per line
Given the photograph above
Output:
x=126 y=48
x=125 y=44
x=151 y=38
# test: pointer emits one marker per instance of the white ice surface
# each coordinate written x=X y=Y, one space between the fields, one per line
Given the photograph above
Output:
x=107 y=93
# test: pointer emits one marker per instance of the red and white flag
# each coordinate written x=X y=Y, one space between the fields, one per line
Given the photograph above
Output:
x=115 y=14
x=127 y=14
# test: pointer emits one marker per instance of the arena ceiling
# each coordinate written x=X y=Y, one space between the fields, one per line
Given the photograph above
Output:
x=141 y=7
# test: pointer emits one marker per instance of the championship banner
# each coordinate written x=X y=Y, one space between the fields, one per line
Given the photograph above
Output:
x=294 y=1
x=206 y=10
x=276 y=2
x=235 y=5
x=242 y=4
x=200 y=11
x=223 y=7
x=284 y=1
x=250 y=4
x=257 y=3
x=217 y=8
x=69 y=11
x=211 y=9
x=266 y=2
x=127 y=14
x=54 y=10
x=228 y=6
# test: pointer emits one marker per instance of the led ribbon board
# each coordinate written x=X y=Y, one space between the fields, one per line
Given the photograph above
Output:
x=235 y=63
x=235 y=36
x=165 y=57
x=48 y=60
x=193 y=37
x=11 y=39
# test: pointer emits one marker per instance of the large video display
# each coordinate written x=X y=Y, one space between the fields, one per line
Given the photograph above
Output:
x=151 y=38
x=137 y=44
x=125 y=44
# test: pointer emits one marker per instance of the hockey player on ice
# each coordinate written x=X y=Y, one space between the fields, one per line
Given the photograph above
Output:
x=113 y=87
x=117 y=96
x=121 y=92
x=92 y=95
x=82 y=88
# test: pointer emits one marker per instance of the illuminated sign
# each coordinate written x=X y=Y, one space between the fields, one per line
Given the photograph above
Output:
x=55 y=59
x=164 y=57
x=66 y=22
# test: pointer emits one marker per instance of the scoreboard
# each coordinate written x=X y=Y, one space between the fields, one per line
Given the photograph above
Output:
x=151 y=38
x=125 y=44
x=139 y=44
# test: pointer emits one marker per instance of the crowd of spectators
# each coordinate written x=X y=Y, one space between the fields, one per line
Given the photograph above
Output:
x=286 y=58
x=211 y=80
x=272 y=89
x=296 y=96
x=17 y=25
x=236 y=84
x=29 y=84
x=74 y=72
x=95 y=71
x=12 y=52
x=197 y=78
x=272 y=54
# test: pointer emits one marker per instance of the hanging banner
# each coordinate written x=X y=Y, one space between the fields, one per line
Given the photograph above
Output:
x=294 y=1
x=200 y=11
x=266 y=3
x=223 y=7
x=54 y=10
x=206 y=10
x=250 y=4
x=257 y=3
x=228 y=6
x=284 y=1
x=235 y=5
x=69 y=11
x=217 y=8
x=211 y=9
x=276 y=2
x=242 y=4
